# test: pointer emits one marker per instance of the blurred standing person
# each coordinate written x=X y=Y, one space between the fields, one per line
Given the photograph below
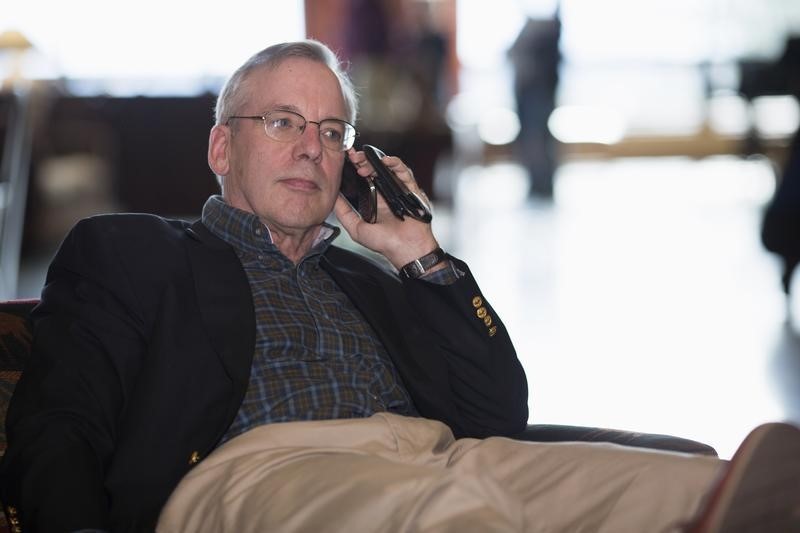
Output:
x=535 y=57
x=780 y=230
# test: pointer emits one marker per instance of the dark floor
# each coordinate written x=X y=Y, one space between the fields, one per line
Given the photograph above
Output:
x=640 y=299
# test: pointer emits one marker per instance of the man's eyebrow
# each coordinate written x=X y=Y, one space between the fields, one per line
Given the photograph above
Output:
x=295 y=109
x=285 y=107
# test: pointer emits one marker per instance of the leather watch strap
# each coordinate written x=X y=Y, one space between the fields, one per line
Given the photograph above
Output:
x=419 y=267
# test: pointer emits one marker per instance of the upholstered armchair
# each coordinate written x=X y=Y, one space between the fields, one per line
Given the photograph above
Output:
x=15 y=345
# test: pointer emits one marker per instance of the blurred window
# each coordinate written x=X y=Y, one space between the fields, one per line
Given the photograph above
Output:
x=653 y=63
x=149 y=46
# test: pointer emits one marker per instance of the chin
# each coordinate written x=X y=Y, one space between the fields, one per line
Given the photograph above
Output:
x=305 y=218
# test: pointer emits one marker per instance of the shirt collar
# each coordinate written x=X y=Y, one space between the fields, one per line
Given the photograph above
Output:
x=245 y=232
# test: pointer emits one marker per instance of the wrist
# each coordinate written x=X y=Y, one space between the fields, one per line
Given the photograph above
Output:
x=403 y=251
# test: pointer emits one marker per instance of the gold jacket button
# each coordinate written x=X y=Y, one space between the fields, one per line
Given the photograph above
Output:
x=492 y=331
x=194 y=458
x=477 y=301
x=487 y=320
x=12 y=511
x=481 y=312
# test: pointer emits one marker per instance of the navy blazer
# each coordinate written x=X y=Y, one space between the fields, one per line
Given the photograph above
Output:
x=143 y=342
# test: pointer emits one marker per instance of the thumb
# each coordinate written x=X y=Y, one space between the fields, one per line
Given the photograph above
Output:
x=348 y=217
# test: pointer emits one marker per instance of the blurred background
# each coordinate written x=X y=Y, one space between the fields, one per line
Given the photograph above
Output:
x=622 y=176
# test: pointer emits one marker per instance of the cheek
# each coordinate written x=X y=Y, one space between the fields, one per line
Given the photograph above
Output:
x=334 y=173
x=252 y=168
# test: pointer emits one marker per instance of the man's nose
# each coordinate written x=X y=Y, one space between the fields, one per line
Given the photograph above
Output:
x=309 y=143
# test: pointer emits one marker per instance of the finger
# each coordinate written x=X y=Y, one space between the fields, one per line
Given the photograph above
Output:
x=425 y=199
x=396 y=165
x=347 y=216
x=359 y=160
x=404 y=174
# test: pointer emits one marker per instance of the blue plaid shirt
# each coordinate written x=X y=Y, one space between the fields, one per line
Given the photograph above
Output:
x=315 y=356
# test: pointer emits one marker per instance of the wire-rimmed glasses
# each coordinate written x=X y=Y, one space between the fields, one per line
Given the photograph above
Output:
x=286 y=126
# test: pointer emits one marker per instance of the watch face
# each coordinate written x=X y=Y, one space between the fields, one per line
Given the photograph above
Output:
x=413 y=269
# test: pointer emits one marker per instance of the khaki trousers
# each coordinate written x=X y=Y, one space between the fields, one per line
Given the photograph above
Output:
x=389 y=473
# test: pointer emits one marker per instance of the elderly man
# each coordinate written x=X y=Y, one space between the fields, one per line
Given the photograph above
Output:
x=242 y=373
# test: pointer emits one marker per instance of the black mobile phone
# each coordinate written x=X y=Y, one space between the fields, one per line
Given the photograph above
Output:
x=401 y=201
x=360 y=192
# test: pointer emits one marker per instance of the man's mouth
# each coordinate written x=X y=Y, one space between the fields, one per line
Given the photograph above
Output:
x=300 y=184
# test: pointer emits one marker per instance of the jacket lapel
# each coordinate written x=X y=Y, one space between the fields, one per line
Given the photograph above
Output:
x=224 y=300
x=367 y=295
x=383 y=305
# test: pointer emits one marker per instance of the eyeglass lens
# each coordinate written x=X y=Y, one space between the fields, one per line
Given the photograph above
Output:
x=286 y=126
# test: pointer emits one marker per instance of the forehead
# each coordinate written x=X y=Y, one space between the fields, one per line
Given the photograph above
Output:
x=307 y=85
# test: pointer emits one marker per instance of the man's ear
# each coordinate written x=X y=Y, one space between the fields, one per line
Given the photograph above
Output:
x=218 y=146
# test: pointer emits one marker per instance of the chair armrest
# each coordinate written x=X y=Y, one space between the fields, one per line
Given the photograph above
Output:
x=15 y=344
x=559 y=433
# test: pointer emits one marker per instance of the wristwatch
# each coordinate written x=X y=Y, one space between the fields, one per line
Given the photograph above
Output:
x=418 y=267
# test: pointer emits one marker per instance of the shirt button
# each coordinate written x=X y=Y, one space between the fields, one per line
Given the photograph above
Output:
x=259 y=231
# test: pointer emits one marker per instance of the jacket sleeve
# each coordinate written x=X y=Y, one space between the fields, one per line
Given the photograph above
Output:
x=61 y=423
x=486 y=381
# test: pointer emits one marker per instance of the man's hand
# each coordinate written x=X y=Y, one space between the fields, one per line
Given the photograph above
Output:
x=400 y=241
